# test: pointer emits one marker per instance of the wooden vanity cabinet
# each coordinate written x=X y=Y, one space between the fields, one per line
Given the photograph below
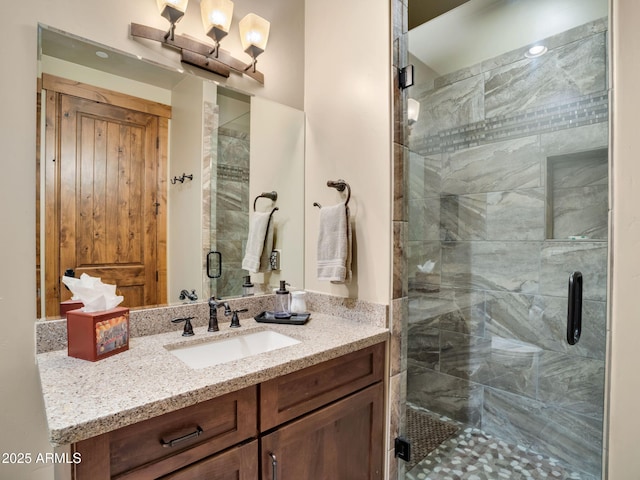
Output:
x=323 y=422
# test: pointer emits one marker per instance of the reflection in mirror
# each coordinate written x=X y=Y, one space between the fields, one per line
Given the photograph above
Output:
x=226 y=146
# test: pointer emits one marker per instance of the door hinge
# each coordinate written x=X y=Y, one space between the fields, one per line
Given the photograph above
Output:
x=402 y=449
x=157 y=276
x=157 y=142
x=156 y=205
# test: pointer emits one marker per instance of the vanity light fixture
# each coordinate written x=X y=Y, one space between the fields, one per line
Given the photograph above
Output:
x=216 y=19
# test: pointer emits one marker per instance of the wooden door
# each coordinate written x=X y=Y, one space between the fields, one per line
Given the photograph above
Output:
x=106 y=208
x=343 y=441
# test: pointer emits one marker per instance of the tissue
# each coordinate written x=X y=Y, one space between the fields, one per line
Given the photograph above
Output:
x=95 y=295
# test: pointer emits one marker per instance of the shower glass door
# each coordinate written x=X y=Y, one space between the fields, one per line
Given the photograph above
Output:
x=508 y=196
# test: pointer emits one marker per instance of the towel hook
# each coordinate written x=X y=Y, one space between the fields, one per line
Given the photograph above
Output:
x=273 y=196
x=339 y=185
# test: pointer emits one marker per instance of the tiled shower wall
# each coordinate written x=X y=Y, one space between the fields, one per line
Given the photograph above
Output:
x=507 y=161
x=225 y=186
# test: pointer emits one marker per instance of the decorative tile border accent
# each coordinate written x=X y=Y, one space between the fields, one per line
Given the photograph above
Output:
x=586 y=110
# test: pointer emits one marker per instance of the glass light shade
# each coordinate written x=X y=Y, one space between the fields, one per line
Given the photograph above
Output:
x=216 y=14
x=254 y=33
x=180 y=5
x=413 y=110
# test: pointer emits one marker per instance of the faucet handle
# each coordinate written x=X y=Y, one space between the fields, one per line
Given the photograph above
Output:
x=188 y=328
x=235 y=321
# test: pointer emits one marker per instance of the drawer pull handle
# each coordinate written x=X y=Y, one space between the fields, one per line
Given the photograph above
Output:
x=175 y=441
x=274 y=466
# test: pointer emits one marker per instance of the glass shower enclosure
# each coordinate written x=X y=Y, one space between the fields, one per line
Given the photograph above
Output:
x=508 y=196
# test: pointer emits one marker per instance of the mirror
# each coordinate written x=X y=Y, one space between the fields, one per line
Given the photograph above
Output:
x=215 y=151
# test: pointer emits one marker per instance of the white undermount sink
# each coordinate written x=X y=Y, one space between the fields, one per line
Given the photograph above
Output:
x=215 y=352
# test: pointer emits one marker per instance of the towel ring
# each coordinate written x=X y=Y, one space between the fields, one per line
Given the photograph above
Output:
x=273 y=196
x=339 y=185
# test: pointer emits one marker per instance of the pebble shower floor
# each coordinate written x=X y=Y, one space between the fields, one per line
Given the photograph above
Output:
x=475 y=455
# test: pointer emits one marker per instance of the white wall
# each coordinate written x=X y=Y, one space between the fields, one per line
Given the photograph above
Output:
x=347 y=105
x=624 y=420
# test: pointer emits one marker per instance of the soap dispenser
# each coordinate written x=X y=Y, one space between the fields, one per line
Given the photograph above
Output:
x=283 y=302
x=247 y=287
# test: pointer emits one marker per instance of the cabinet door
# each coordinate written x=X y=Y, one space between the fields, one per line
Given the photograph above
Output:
x=343 y=441
x=239 y=463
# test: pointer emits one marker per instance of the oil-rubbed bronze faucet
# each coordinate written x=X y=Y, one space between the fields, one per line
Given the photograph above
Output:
x=213 y=313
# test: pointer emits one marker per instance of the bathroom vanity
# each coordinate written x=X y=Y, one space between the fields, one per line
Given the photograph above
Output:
x=311 y=410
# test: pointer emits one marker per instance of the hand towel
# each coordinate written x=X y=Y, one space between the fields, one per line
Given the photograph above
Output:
x=334 y=244
x=259 y=243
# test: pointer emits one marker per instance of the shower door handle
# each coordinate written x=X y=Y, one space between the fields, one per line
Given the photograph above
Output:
x=574 y=310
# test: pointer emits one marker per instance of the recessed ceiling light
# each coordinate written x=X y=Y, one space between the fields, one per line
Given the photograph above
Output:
x=102 y=54
x=536 y=51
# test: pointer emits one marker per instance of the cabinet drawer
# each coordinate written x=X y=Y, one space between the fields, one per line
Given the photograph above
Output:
x=162 y=444
x=239 y=463
x=297 y=393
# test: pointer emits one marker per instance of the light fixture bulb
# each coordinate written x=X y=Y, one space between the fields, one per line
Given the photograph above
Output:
x=216 y=18
x=413 y=110
x=254 y=33
x=536 y=51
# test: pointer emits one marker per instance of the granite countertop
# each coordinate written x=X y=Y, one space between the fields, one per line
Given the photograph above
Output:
x=83 y=399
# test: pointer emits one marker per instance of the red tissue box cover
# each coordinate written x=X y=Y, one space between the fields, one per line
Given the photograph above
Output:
x=97 y=335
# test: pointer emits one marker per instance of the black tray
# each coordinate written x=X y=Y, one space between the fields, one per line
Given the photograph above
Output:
x=294 y=319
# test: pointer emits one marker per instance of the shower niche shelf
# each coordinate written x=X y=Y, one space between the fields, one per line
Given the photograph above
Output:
x=577 y=196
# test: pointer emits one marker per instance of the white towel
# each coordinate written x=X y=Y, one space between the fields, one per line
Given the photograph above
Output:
x=259 y=243
x=334 y=244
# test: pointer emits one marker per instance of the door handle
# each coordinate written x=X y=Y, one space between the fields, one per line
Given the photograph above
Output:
x=574 y=308
x=274 y=466
x=218 y=273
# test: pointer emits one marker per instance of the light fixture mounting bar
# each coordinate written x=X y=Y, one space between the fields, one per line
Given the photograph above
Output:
x=197 y=53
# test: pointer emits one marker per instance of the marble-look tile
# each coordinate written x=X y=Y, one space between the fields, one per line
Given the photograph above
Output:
x=501 y=363
x=542 y=321
x=397 y=405
x=580 y=170
x=451 y=106
x=400 y=287
x=463 y=217
x=581 y=211
x=400 y=182
x=507 y=165
x=560 y=74
x=398 y=319
x=580 y=139
x=454 y=397
x=573 y=438
x=573 y=383
x=511 y=266
x=559 y=259
x=516 y=215
x=424 y=345
x=425 y=219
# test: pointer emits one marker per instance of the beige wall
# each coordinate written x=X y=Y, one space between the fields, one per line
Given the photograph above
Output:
x=347 y=104
x=624 y=419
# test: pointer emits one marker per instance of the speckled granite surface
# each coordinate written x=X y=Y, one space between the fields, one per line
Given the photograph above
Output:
x=84 y=399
